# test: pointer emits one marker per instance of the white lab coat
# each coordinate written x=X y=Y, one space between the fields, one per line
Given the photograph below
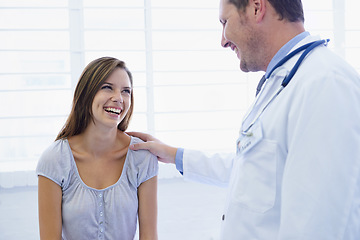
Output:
x=301 y=180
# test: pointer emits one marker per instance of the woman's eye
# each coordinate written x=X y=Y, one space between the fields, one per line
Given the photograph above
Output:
x=106 y=87
x=127 y=91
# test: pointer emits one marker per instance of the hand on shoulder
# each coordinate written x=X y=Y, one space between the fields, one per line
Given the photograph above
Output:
x=164 y=153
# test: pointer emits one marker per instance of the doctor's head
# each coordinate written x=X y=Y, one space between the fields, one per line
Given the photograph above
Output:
x=256 y=29
x=291 y=10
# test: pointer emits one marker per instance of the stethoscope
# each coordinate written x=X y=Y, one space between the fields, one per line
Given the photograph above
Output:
x=307 y=48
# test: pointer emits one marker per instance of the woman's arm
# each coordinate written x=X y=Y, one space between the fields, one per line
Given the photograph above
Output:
x=49 y=199
x=147 y=193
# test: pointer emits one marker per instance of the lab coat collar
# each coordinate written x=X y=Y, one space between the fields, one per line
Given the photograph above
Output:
x=284 y=50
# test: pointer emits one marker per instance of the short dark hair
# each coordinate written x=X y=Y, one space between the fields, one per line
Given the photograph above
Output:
x=291 y=10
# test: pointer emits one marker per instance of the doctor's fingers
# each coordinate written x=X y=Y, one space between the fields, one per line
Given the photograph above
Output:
x=143 y=136
x=163 y=152
x=141 y=146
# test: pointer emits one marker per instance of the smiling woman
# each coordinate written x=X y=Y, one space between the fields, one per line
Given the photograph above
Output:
x=115 y=97
x=90 y=183
x=103 y=78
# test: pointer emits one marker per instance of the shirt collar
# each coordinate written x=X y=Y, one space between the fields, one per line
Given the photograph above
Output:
x=284 y=50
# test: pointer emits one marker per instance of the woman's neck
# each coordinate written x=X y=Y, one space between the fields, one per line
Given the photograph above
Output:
x=100 y=143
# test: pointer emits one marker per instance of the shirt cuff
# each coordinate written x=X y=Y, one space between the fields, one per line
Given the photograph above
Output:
x=179 y=160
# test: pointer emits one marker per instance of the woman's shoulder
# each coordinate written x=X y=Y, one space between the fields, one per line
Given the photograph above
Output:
x=140 y=154
x=55 y=161
x=57 y=149
x=60 y=143
x=141 y=162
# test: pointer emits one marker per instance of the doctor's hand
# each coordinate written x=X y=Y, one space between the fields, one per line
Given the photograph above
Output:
x=164 y=153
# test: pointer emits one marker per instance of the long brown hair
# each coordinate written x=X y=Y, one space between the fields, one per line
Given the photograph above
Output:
x=91 y=79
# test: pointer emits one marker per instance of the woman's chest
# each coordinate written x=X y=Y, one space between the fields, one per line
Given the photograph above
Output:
x=99 y=173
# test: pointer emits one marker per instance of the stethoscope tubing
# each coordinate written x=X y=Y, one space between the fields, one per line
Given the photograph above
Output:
x=308 y=48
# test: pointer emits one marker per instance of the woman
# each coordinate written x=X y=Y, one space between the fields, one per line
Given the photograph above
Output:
x=91 y=186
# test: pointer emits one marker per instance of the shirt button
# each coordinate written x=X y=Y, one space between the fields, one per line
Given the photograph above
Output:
x=100 y=204
x=101 y=214
x=100 y=195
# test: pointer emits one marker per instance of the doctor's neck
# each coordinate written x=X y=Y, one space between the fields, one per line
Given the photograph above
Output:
x=278 y=34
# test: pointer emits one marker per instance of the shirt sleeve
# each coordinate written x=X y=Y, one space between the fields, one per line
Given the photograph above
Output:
x=148 y=167
x=179 y=160
x=214 y=169
x=54 y=163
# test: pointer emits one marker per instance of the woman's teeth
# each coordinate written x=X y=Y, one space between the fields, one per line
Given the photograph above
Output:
x=113 y=110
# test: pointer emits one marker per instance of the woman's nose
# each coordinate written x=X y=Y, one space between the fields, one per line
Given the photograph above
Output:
x=117 y=97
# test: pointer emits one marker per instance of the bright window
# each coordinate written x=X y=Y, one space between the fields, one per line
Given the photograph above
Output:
x=189 y=91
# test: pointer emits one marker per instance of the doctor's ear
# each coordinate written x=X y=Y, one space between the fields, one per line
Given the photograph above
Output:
x=259 y=8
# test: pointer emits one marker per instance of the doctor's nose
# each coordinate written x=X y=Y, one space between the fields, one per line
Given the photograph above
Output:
x=224 y=42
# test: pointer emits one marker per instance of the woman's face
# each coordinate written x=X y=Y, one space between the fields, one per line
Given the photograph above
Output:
x=113 y=100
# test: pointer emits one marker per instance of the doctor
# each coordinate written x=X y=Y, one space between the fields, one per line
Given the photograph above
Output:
x=296 y=171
